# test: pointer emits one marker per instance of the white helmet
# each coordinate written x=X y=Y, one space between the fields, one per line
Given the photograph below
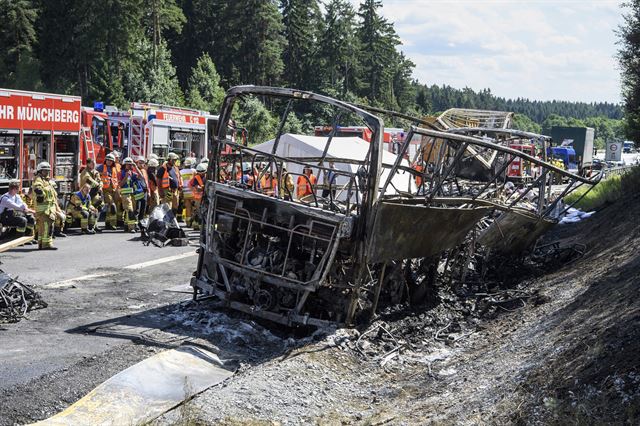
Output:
x=201 y=168
x=43 y=166
x=173 y=156
x=153 y=162
x=139 y=158
x=153 y=156
x=205 y=160
x=117 y=154
x=188 y=162
x=128 y=160
x=110 y=156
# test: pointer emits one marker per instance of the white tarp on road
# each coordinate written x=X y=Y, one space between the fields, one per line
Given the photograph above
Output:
x=352 y=148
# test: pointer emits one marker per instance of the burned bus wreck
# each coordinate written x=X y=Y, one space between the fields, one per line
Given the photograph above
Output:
x=370 y=235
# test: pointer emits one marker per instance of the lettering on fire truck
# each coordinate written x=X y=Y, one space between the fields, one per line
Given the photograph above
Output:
x=29 y=113
x=180 y=118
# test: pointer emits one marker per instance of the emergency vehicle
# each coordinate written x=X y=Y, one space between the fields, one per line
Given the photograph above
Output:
x=522 y=170
x=152 y=128
x=392 y=137
x=36 y=127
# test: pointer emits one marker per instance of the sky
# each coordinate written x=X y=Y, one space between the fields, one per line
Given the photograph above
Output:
x=536 y=49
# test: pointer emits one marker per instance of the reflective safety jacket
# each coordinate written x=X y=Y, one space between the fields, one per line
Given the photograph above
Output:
x=197 y=185
x=45 y=196
x=186 y=175
x=109 y=176
x=79 y=202
x=165 y=178
x=304 y=188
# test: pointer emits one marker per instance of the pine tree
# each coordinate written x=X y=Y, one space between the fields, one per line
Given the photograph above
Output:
x=17 y=36
x=204 y=90
x=629 y=58
x=338 y=48
x=378 y=41
x=302 y=22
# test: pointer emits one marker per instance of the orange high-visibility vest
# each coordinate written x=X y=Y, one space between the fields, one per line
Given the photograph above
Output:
x=109 y=177
x=420 y=169
x=164 y=183
x=197 y=184
x=303 y=185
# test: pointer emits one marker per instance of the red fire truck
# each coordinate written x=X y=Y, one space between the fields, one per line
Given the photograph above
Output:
x=152 y=128
x=519 y=169
x=392 y=138
x=37 y=127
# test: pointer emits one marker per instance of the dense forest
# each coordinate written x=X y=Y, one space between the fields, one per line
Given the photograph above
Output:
x=186 y=52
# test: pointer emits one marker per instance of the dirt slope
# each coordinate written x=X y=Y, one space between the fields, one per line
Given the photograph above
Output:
x=571 y=355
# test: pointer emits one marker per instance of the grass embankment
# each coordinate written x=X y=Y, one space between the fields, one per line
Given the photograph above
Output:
x=606 y=191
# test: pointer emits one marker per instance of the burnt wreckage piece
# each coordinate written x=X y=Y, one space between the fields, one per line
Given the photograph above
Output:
x=334 y=259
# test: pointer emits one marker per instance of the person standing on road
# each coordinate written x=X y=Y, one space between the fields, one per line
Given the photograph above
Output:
x=140 y=192
x=197 y=184
x=329 y=181
x=45 y=206
x=14 y=211
x=169 y=182
x=154 y=197
x=306 y=183
x=127 y=185
x=186 y=174
x=109 y=177
x=80 y=208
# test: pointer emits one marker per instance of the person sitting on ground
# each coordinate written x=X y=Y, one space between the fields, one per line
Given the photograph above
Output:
x=80 y=208
x=14 y=211
x=306 y=184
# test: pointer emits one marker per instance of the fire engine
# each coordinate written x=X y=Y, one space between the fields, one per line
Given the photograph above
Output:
x=152 y=128
x=392 y=137
x=520 y=169
x=36 y=127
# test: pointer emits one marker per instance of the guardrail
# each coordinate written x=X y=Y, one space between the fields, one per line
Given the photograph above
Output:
x=618 y=171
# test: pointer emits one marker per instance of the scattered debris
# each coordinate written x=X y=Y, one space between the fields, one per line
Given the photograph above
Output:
x=380 y=232
x=16 y=299
x=161 y=228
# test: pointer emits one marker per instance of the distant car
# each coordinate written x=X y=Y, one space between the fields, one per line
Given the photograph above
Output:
x=598 y=164
x=628 y=147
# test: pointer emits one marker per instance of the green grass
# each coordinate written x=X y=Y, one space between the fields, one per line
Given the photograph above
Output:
x=606 y=191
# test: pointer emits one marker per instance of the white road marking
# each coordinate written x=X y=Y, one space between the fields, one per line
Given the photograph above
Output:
x=160 y=261
x=69 y=282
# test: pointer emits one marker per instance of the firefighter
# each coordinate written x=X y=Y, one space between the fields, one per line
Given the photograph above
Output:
x=128 y=184
x=306 y=185
x=90 y=176
x=142 y=193
x=197 y=185
x=45 y=206
x=286 y=186
x=60 y=214
x=186 y=174
x=15 y=212
x=169 y=182
x=81 y=208
x=109 y=177
x=154 y=197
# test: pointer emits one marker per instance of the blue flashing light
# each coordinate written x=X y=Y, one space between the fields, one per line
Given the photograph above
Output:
x=98 y=106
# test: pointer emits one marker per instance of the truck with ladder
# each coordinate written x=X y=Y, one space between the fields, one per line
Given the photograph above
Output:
x=153 y=128
x=36 y=127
